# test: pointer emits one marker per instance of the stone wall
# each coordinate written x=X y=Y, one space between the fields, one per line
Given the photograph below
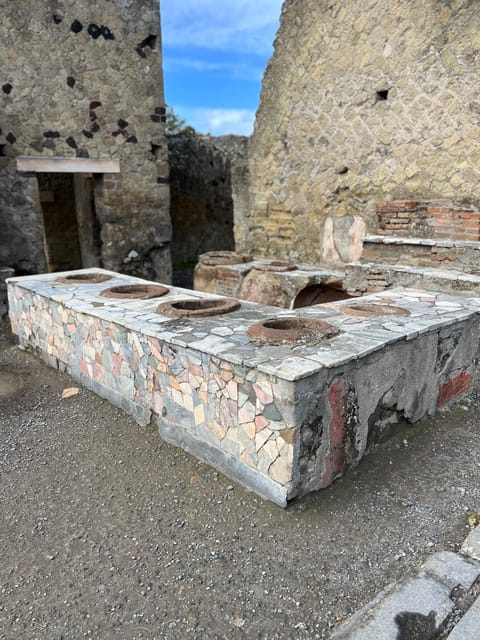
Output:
x=201 y=193
x=84 y=80
x=362 y=101
x=4 y=274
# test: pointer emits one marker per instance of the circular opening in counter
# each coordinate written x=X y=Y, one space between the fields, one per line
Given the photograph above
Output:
x=202 y=308
x=84 y=278
x=374 y=310
x=216 y=258
x=276 y=265
x=135 y=291
x=290 y=330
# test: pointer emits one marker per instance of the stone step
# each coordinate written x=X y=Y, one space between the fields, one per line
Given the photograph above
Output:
x=469 y=626
x=462 y=255
x=370 y=277
x=416 y=606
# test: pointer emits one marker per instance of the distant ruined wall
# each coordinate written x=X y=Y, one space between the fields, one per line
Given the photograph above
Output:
x=84 y=80
x=235 y=148
x=202 y=191
x=363 y=101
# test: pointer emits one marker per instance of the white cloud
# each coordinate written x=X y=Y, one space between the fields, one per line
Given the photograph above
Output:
x=219 y=121
x=241 y=25
x=243 y=71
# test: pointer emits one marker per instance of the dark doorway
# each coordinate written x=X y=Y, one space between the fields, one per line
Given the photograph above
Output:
x=88 y=225
x=72 y=235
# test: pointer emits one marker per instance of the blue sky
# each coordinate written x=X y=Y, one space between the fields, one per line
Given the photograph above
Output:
x=215 y=52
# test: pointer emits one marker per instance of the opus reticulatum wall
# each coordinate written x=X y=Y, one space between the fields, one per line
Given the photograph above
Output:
x=83 y=81
x=362 y=101
x=283 y=418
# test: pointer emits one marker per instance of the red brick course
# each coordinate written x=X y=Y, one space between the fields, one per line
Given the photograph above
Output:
x=429 y=219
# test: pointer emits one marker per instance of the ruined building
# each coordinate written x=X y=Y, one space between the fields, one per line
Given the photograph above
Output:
x=368 y=123
x=364 y=103
x=83 y=157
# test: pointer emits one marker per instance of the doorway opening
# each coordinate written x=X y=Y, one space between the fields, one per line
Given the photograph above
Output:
x=71 y=227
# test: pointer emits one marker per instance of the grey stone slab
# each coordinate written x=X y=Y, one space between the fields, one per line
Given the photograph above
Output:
x=469 y=626
x=471 y=546
x=414 y=595
x=358 y=346
x=140 y=414
x=452 y=569
x=330 y=358
x=292 y=368
x=67 y=165
x=377 y=332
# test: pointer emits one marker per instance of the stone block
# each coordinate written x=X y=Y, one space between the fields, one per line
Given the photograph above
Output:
x=469 y=626
x=471 y=546
x=451 y=569
x=416 y=606
x=419 y=602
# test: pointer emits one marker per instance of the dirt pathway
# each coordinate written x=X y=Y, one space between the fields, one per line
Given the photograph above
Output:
x=106 y=532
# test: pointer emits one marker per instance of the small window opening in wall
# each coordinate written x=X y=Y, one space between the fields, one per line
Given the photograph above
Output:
x=149 y=41
x=381 y=95
x=155 y=150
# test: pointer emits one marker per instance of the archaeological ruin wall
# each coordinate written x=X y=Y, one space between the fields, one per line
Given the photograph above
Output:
x=83 y=154
x=203 y=179
x=369 y=121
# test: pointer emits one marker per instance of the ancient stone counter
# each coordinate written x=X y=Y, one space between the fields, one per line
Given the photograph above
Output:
x=283 y=402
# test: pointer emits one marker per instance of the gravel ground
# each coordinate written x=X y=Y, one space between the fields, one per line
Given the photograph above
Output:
x=107 y=532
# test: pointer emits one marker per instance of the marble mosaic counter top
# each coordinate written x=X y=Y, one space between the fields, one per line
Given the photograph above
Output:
x=227 y=335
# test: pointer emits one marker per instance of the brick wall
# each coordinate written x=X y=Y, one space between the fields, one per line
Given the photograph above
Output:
x=441 y=219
